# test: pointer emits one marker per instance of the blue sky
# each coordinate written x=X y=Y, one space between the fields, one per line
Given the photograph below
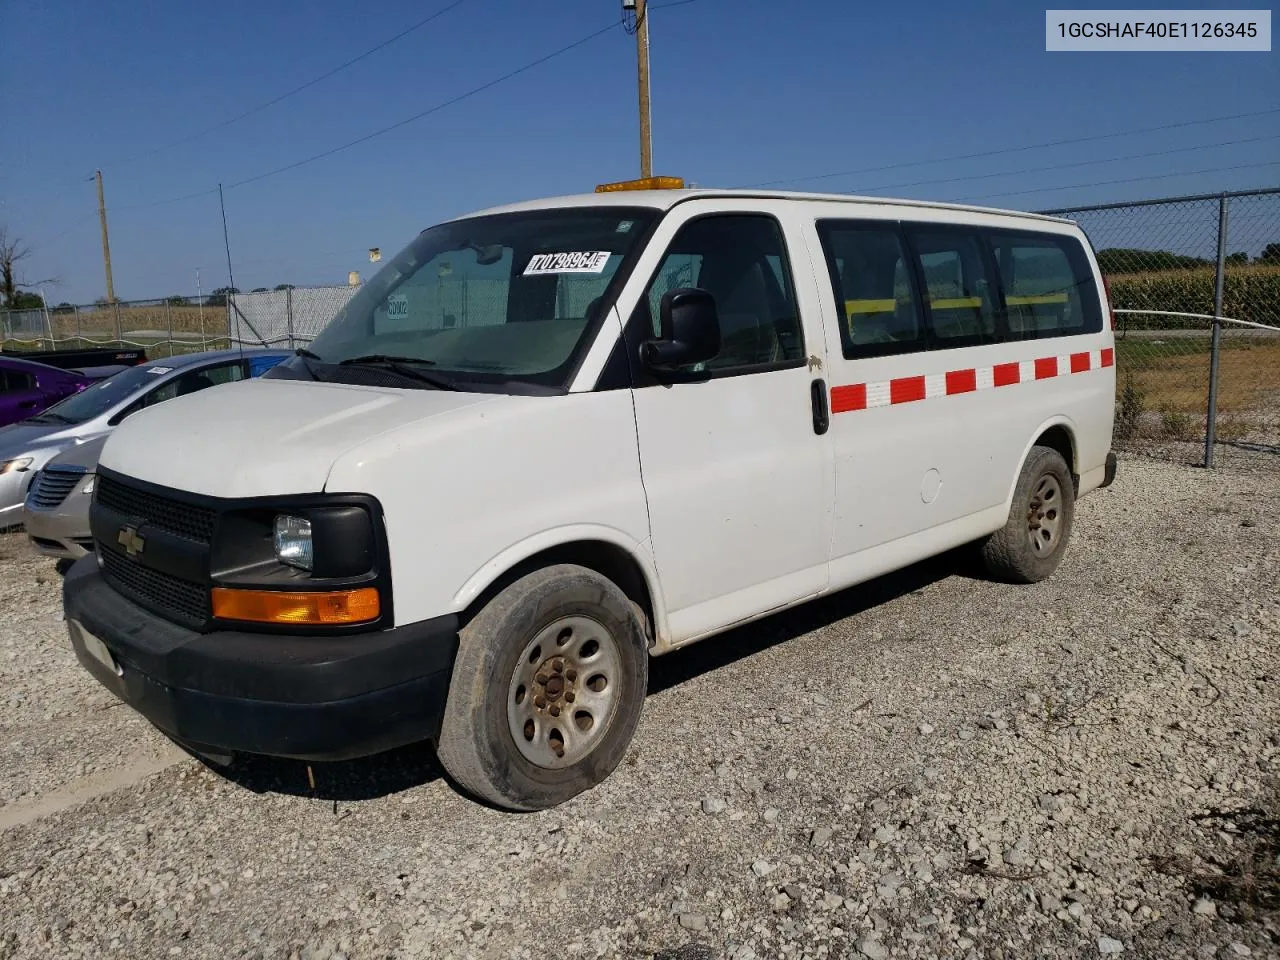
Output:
x=743 y=93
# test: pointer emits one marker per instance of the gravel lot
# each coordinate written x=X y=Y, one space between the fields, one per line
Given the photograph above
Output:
x=928 y=766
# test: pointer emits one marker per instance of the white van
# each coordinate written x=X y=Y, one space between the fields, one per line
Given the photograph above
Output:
x=550 y=440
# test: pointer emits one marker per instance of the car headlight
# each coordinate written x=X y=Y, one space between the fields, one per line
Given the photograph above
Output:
x=88 y=487
x=293 y=541
x=15 y=466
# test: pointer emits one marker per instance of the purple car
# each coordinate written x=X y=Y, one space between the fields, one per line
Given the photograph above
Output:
x=26 y=388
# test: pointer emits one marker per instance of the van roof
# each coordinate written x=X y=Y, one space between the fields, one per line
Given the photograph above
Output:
x=666 y=199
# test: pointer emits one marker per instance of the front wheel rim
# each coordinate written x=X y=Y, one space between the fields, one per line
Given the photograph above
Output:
x=564 y=692
x=1044 y=516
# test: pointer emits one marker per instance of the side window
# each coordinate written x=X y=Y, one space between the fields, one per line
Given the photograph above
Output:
x=196 y=380
x=11 y=381
x=740 y=259
x=867 y=262
x=962 y=301
x=1049 y=290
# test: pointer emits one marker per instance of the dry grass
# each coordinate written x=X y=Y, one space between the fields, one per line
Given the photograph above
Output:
x=1243 y=880
x=1177 y=381
x=102 y=322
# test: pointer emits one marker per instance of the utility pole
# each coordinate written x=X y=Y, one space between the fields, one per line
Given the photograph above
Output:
x=106 y=246
x=641 y=8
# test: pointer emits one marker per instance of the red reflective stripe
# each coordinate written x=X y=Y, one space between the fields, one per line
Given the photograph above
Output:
x=1079 y=362
x=962 y=381
x=1046 y=367
x=1108 y=357
x=853 y=397
x=1003 y=374
x=906 y=389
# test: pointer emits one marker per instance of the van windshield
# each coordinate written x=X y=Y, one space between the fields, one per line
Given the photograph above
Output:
x=509 y=297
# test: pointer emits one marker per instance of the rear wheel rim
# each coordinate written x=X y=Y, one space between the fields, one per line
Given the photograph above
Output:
x=564 y=692
x=1044 y=516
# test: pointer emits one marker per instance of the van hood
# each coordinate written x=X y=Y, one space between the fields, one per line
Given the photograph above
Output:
x=265 y=437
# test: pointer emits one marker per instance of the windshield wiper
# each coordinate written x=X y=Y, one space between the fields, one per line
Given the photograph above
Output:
x=304 y=352
x=401 y=366
x=49 y=418
x=383 y=358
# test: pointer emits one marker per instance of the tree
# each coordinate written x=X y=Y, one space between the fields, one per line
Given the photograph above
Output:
x=218 y=298
x=12 y=251
x=176 y=301
x=1270 y=254
x=1237 y=259
x=285 y=286
x=22 y=300
x=258 y=290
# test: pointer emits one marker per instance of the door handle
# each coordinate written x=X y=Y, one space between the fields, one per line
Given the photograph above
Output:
x=818 y=394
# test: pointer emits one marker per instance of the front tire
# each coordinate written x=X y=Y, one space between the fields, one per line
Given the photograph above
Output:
x=1031 y=544
x=547 y=689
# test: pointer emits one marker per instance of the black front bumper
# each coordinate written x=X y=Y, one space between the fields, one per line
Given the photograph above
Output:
x=303 y=697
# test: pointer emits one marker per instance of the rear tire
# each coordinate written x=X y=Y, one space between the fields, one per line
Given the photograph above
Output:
x=547 y=689
x=1031 y=544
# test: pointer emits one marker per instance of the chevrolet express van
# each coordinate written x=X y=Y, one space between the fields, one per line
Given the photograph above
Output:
x=550 y=440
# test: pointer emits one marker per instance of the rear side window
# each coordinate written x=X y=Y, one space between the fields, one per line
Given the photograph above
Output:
x=962 y=298
x=14 y=380
x=871 y=277
x=1049 y=289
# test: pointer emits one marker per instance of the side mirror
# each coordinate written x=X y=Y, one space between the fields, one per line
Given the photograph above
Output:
x=690 y=330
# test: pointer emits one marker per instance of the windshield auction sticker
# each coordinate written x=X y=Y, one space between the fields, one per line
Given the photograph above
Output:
x=1175 y=31
x=579 y=262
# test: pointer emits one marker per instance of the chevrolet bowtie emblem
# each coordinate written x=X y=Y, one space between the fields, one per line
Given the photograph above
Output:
x=132 y=542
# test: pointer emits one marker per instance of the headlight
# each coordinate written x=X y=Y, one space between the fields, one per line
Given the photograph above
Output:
x=88 y=487
x=293 y=541
x=15 y=466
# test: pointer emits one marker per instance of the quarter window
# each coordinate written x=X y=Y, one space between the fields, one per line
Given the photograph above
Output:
x=1049 y=290
x=869 y=271
x=741 y=261
x=14 y=380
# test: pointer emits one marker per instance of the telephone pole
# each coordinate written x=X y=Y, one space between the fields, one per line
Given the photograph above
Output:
x=106 y=246
x=641 y=8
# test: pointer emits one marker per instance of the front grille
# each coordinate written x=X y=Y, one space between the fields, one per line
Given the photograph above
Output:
x=164 y=593
x=51 y=486
x=172 y=516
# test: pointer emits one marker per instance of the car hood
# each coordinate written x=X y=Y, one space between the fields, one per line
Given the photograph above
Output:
x=23 y=439
x=81 y=454
x=265 y=437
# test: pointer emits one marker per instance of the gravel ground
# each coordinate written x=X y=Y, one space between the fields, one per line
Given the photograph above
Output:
x=928 y=766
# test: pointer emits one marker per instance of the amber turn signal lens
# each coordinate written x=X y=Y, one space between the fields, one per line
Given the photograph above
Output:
x=273 y=606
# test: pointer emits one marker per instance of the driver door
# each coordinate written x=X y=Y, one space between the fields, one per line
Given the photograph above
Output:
x=737 y=474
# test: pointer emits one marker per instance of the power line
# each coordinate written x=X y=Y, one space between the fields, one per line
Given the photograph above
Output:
x=1004 y=150
x=1107 y=183
x=296 y=90
x=1077 y=163
x=430 y=110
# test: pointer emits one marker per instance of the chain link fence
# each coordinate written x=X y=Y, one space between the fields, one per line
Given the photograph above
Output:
x=1172 y=266
x=164 y=327
x=288 y=317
